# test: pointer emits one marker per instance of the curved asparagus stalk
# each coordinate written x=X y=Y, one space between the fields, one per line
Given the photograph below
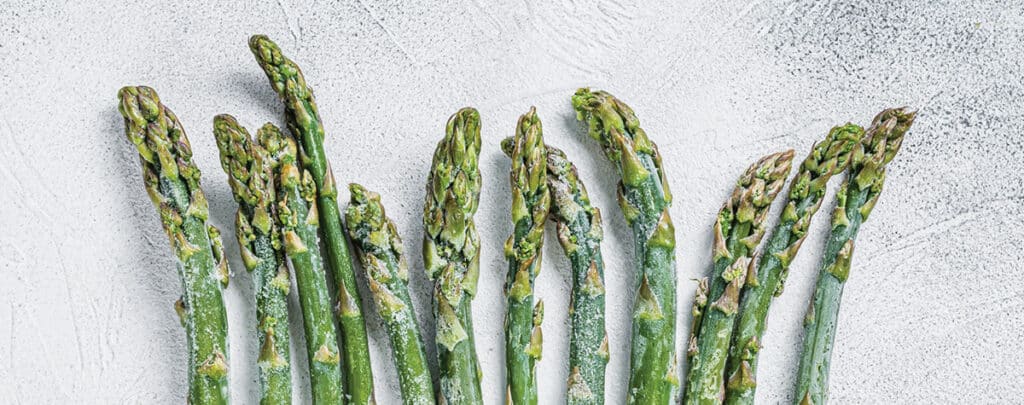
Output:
x=380 y=250
x=827 y=158
x=451 y=254
x=250 y=174
x=644 y=198
x=172 y=181
x=580 y=234
x=304 y=123
x=297 y=214
x=738 y=231
x=530 y=205
x=855 y=200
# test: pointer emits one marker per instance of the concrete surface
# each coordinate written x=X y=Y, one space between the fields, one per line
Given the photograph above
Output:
x=932 y=312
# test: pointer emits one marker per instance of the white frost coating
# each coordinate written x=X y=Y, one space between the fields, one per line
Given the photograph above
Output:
x=932 y=309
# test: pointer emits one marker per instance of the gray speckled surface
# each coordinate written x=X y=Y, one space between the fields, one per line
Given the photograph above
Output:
x=932 y=312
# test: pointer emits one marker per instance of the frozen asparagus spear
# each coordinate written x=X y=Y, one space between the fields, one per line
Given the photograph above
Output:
x=172 y=181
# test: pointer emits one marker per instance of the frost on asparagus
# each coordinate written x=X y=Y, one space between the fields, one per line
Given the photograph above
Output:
x=806 y=191
x=737 y=233
x=250 y=174
x=451 y=254
x=297 y=214
x=856 y=198
x=172 y=181
x=644 y=198
x=304 y=123
x=381 y=253
x=579 y=232
x=530 y=205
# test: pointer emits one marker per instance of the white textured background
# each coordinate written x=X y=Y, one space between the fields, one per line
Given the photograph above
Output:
x=932 y=311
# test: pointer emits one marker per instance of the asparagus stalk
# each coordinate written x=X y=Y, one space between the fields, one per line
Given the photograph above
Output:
x=530 y=205
x=856 y=198
x=172 y=181
x=644 y=198
x=297 y=214
x=451 y=254
x=380 y=251
x=738 y=231
x=304 y=123
x=250 y=174
x=827 y=158
x=580 y=233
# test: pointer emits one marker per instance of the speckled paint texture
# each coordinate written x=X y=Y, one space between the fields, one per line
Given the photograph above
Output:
x=932 y=310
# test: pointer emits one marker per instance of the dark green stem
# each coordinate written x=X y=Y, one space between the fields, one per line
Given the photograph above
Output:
x=580 y=234
x=805 y=194
x=451 y=254
x=172 y=181
x=304 y=123
x=250 y=174
x=855 y=200
x=738 y=232
x=297 y=214
x=644 y=198
x=531 y=203
x=381 y=253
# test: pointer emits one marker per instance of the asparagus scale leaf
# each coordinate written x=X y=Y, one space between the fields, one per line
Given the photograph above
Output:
x=530 y=205
x=451 y=254
x=806 y=191
x=297 y=214
x=304 y=123
x=856 y=198
x=250 y=170
x=380 y=251
x=737 y=233
x=645 y=199
x=172 y=181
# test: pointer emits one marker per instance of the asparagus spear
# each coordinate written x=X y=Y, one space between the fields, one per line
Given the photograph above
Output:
x=855 y=200
x=827 y=158
x=530 y=205
x=304 y=123
x=297 y=214
x=172 y=181
x=250 y=174
x=580 y=234
x=381 y=253
x=738 y=231
x=644 y=198
x=451 y=254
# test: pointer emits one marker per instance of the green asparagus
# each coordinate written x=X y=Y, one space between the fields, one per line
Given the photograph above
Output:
x=380 y=251
x=305 y=124
x=451 y=254
x=297 y=214
x=530 y=205
x=738 y=232
x=805 y=194
x=644 y=198
x=856 y=198
x=250 y=174
x=172 y=181
x=580 y=233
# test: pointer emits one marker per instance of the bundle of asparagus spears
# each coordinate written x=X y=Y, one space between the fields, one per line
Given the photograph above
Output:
x=289 y=224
